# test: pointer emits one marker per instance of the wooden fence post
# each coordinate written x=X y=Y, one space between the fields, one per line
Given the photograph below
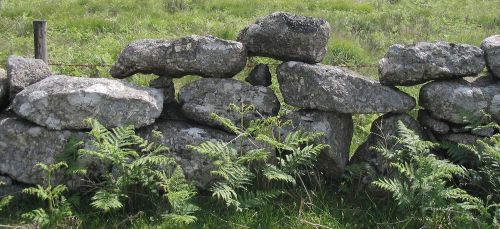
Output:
x=40 y=35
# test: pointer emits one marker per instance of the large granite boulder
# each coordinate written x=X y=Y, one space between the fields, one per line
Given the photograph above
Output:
x=337 y=89
x=382 y=134
x=338 y=130
x=63 y=102
x=260 y=76
x=201 y=98
x=454 y=100
x=491 y=48
x=23 y=72
x=287 y=37
x=423 y=61
x=198 y=55
x=24 y=144
x=4 y=89
x=178 y=135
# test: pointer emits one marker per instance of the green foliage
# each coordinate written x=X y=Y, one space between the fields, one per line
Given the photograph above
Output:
x=137 y=171
x=4 y=201
x=421 y=186
x=248 y=176
x=59 y=212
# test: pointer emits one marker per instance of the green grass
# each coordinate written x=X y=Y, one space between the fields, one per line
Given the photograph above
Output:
x=94 y=32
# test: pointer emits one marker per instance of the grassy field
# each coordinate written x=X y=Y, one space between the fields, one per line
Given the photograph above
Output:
x=94 y=32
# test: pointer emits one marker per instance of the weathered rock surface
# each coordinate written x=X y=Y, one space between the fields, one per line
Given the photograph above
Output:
x=204 y=56
x=428 y=122
x=287 y=37
x=491 y=48
x=452 y=100
x=259 y=76
x=178 y=135
x=4 y=89
x=23 y=72
x=422 y=62
x=338 y=129
x=201 y=98
x=63 y=102
x=330 y=88
x=383 y=131
x=24 y=144
x=462 y=138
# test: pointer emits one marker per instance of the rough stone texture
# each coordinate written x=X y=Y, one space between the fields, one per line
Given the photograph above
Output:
x=330 y=88
x=260 y=76
x=422 y=62
x=287 y=37
x=23 y=72
x=382 y=132
x=178 y=135
x=491 y=48
x=462 y=138
x=62 y=102
x=4 y=89
x=338 y=129
x=483 y=132
x=204 y=56
x=451 y=100
x=24 y=144
x=201 y=98
x=428 y=122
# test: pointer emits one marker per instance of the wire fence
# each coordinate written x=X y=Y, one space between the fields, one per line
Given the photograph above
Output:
x=81 y=65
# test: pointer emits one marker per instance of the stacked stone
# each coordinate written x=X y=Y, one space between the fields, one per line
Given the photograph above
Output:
x=45 y=110
x=453 y=98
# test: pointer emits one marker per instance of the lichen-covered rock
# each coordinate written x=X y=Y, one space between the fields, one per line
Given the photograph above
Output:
x=63 y=102
x=338 y=130
x=201 y=98
x=422 y=62
x=259 y=76
x=287 y=37
x=491 y=48
x=337 y=89
x=382 y=133
x=178 y=135
x=23 y=72
x=24 y=144
x=4 y=89
x=434 y=125
x=454 y=100
x=205 y=56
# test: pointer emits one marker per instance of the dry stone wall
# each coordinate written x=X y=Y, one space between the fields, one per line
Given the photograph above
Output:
x=45 y=109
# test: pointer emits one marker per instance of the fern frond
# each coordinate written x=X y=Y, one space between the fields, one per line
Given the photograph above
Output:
x=106 y=201
x=4 y=201
x=215 y=150
x=223 y=191
x=271 y=172
x=38 y=216
x=253 y=155
x=37 y=191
